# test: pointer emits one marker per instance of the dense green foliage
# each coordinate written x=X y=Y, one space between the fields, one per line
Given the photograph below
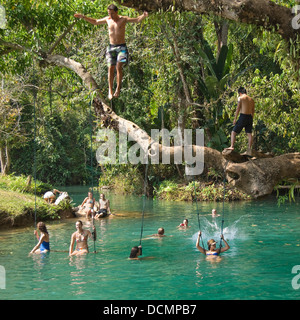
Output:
x=168 y=51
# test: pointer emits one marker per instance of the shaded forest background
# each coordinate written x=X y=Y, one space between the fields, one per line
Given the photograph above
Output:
x=184 y=70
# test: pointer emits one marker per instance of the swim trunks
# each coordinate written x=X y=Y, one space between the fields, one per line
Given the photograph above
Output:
x=103 y=211
x=116 y=53
x=245 y=121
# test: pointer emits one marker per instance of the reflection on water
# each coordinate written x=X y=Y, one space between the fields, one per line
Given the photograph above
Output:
x=251 y=269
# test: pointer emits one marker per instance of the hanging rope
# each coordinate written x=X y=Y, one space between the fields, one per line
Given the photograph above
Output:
x=198 y=214
x=34 y=145
x=223 y=213
x=34 y=157
x=92 y=171
x=144 y=201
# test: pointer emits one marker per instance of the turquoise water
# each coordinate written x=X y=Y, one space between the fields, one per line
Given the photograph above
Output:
x=264 y=240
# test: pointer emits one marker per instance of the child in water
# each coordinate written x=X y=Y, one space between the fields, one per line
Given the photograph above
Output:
x=43 y=240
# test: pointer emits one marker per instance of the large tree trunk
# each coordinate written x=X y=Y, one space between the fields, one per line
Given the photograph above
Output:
x=256 y=177
x=4 y=159
x=257 y=12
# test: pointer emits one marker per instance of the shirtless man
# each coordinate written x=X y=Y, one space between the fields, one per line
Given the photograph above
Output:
x=104 y=207
x=116 y=53
x=246 y=109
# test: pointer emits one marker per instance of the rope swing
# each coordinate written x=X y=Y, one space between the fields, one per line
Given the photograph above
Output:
x=198 y=214
x=223 y=213
x=34 y=157
x=144 y=201
x=92 y=171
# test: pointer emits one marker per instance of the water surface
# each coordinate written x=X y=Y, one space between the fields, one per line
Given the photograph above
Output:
x=264 y=240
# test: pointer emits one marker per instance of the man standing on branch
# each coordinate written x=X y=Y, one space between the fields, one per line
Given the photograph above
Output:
x=116 y=53
x=246 y=109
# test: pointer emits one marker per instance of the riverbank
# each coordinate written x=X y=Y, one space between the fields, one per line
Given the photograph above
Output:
x=17 y=206
x=175 y=190
x=18 y=209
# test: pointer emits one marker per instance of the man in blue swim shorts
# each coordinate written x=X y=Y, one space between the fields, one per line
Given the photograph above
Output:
x=246 y=109
x=116 y=53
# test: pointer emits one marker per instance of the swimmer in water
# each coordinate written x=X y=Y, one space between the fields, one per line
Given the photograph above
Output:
x=135 y=252
x=214 y=213
x=80 y=237
x=212 y=250
x=184 y=224
x=43 y=240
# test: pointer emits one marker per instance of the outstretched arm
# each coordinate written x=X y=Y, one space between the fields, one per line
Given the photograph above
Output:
x=90 y=20
x=138 y=19
x=202 y=250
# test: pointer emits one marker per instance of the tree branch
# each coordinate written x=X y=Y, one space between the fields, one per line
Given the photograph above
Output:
x=262 y=13
x=56 y=43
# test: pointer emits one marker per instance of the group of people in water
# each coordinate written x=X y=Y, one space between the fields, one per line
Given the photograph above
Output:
x=79 y=239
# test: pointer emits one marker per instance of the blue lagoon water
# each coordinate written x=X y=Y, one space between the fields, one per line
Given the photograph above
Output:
x=264 y=241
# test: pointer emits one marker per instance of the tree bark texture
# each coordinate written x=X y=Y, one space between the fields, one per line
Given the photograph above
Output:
x=262 y=13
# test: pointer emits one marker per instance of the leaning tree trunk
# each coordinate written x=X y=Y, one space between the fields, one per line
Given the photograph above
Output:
x=256 y=177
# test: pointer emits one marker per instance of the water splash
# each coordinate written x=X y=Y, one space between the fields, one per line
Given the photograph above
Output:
x=212 y=229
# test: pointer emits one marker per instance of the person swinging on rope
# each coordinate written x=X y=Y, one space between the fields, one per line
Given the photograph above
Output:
x=212 y=250
x=116 y=53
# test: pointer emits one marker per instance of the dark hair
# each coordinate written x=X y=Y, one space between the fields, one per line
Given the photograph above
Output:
x=42 y=227
x=242 y=90
x=134 y=252
x=161 y=231
x=79 y=222
x=112 y=7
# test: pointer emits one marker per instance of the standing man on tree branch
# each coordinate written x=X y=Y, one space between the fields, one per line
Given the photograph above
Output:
x=116 y=53
x=245 y=108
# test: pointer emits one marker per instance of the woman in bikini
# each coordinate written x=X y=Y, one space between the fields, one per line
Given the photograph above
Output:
x=80 y=237
x=43 y=240
x=212 y=251
x=88 y=205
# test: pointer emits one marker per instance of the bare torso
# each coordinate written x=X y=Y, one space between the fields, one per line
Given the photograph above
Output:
x=103 y=204
x=116 y=30
x=247 y=104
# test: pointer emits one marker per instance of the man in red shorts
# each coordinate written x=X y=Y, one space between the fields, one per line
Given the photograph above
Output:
x=116 y=53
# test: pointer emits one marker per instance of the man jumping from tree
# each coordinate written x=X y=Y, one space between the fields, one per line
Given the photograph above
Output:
x=246 y=109
x=116 y=53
